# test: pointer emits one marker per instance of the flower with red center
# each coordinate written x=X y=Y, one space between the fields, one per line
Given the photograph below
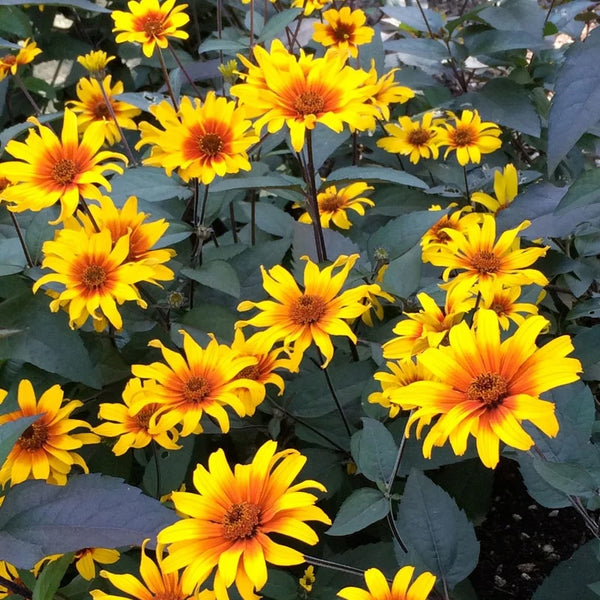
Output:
x=343 y=30
x=10 y=63
x=503 y=301
x=384 y=91
x=487 y=387
x=506 y=188
x=150 y=23
x=436 y=237
x=232 y=516
x=50 y=169
x=45 y=450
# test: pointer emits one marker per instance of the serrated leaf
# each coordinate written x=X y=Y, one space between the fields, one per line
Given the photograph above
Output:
x=83 y=4
x=90 y=511
x=361 y=509
x=10 y=432
x=47 y=584
x=216 y=274
x=374 y=451
x=384 y=174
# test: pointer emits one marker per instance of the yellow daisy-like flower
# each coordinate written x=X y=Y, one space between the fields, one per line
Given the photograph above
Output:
x=10 y=63
x=91 y=108
x=9 y=573
x=486 y=387
x=301 y=92
x=343 y=30
x=415 y=139
x=86 y=559
x=309 y=6
x=95 y=62
x=300 y=318
x=333 y=204
x=150 y=23
x=232 y=515
x=45 y=448
x=205 y=380
x=402 y=588
x=470 y=137
x=95 y=275
x=385 y=91
x=134 y=430
x=506 y=188
x=50 y=169
x=200 y=140
x=503 y=301
x=436 y=237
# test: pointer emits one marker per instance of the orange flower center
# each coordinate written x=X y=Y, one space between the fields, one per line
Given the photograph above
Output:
x=307 y=310
x=143 y=417
x=93 y=277
x=331 y=203
x=241 y=521
x=9 y=60
x=153 y=26
x=196 y=389
x=343 y=32
x=489 y=389
x=485 y=262
x=251 y=372
x=499 y=309
x=82 y=552
x=463 y=135
x=210 y=144
x=34 y=437
x=64 y=171
x=169 y=595
x=4 y=183
x=437 y=231
x=101 y=111
x=419 y=137
x=308 y=103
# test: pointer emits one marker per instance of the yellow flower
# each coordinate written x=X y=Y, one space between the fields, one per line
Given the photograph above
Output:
x=300 y=318
x=470 y=137
x=135 y=430
x=91 y=108
x=384 y=91
x=415 y=139
x=95 y=275
x=301 y=92
x=309 y=6
x=343 y=30
x=95 y=62
x=308 y=579
x=205 y=380
x=200 y=140
x=503 y=301
x=486 y=387
x=150 y=23
x=86 y=559
x=506 y=188
x=45 y=448
x=402 y=589
x=51 y=169
x=10 y=63
x=333 y=204
x=232 y=515
x=436 y=237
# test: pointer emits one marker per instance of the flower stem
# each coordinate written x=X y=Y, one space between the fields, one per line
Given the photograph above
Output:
x=88 y=212
x=334 y=395
x=16 y=588
x=328 y=564
x=157 y=467
x=165 y=72
x=21 y=239
x=183 y=70
x=309 y=174
x=19 y=82
x=467 y=191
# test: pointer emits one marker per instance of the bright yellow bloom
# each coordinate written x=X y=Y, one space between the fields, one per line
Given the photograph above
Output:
x=503 y=301
x=300 y=318
x=333 y=204
x=91 y=108
x=150 y=23
x=10 y=63
x=343 y=30
x=373 y=302
x=50 y=169
x=205 y=380
x=486 y=387
x=9 y=572
x=506 y=188
x=436 y=237
x=200 y=140
x=415 y=139
x=470 y=137
x=134 y=430
x=45 y=448
x=232 y=515
x=95 y=275
x=308 y=579
x=95 y=62
x=384 y=91
x=402 y=589
x=309 y=6
x=485 y=262
x=301 y=92
x=86 y=559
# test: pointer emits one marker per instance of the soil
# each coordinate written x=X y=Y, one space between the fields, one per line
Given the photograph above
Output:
x=521 y=541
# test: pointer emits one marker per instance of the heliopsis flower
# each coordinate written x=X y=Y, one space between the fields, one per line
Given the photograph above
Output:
x=95 y=275
x=503 y=301
x=8 y=572
x=10 y=63
x=299 y=318
x=485 y=262
x=200 y=140
x=333 y=204
x=436 y=237
x=343 y=30
x=402 y=588
x=308 y=579
x=86 y=559
x=309 y=6
x=374 y=303
x=384 y=91
x=469 y=136
x=301 y=93
x=232 y=515
x=150 y=23
x=50 y=169
x=134 y=430
x=205 y=380
x=506 y=188
x=95 y=62
x=487 y=388
x=45 y=448
x=92 y=108
x=415 y=139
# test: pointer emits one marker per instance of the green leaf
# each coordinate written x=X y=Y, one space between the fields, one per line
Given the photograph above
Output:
x=276 y=24
x=403 y=274
x=361 y=509
x=516 y=15
x=437 y=533
x=576 y=102
x=216 y=274
x=10 y=432
x=380 y=174
x=15 y=21
x=586 y=350
x=147 y=183
x=210 y=318
x=38 y=231
x=228 y=46
x=426 y=54
x=172 y=466
x=569 y=478
x=413 y=17
x=48 y=582
x=374 y=451
x=83 y=4
x=12 y=259
x=38 y=519
x=268 y=217
x=273 y=180
x=584 y=190
x=491 y=42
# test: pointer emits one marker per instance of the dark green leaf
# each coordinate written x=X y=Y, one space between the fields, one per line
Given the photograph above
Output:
x=83 y=4
x=273 y=180
x=172 y=466
x=569 y=478
x=48 y=582
x=210 y=318
x=268 y=217
x=404 y=273
x=374 y=451
x=228 y=46
x=216 y=274
x=413 y=17
x=384 y=174
x=303 y=244
x=13 y=20
x=491 y=42
x=584 y=190
x=147 y=183
x=276 y=24
x=12 y=258
x=362 y=508
x=426 y=54
x=586 y=350
x=10 y=432
x=516 y=15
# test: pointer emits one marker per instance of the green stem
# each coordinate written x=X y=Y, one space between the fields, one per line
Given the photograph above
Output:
x=21 y=239
x=328 y=564
x=19 y=82
x=165 y=72
x=157 y=467
x=187 y=75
